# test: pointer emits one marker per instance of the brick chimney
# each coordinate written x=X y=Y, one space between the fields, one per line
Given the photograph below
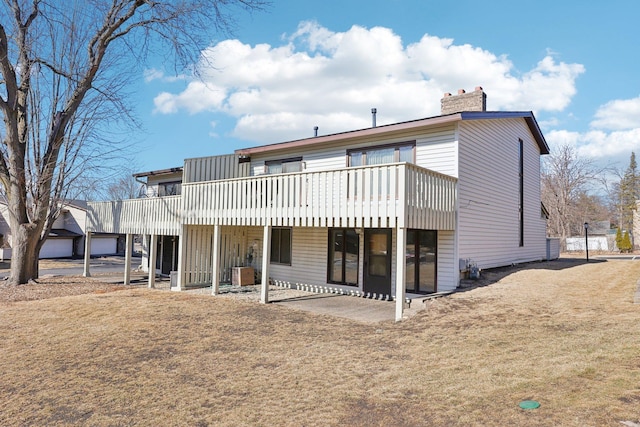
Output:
x=473 y=101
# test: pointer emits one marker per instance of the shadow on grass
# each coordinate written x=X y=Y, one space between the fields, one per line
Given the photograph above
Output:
x=493 y=275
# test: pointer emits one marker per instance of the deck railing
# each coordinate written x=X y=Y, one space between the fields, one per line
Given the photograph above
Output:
x=398 y=194
x=153 y=215
x=381 y=196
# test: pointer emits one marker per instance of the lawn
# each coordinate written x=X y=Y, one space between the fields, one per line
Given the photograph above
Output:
x=565 y=334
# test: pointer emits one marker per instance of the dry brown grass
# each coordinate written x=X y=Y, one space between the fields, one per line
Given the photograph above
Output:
x=563 y=333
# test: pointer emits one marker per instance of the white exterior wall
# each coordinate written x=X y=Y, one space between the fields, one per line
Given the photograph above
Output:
x=438 y=151
x=154 y=181
x=447 y=274
x=488 y=194
x=435 y=150
x=308 y=256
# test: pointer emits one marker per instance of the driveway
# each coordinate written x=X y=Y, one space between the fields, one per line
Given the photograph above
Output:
x=75 y=267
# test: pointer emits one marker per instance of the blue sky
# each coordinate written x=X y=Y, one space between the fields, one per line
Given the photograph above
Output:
x=303 y=64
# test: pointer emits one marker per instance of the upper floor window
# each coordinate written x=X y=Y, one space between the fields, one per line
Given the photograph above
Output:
x=173 y=188
x=293 y=164
x=404 y=152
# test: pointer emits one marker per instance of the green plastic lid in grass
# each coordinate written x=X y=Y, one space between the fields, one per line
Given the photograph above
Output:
x=529 y=404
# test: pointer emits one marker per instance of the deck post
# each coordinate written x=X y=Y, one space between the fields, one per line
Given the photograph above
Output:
x=215 y=262
x=401 y=267
x=127 y=258
x=152 y=256
x=87 y=254
x=266 y=259
x=182 y=253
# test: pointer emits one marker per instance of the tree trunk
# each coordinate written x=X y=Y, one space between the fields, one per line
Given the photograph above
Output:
x=24 y=255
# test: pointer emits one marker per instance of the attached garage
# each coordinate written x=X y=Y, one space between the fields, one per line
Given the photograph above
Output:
x=104 y=244
x=60 y=244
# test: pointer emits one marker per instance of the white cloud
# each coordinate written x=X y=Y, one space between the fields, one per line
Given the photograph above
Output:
x=614 y=134
x=620 y=114
x=614 y=147
x=332 y=79
x=152 y=74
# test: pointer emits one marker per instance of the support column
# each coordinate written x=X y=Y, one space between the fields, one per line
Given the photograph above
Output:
x=127 y=258
x=266 y=260
x=401 y=270
x=182 y=253
x=215 y=262
x=87 y=254
x=152 y=256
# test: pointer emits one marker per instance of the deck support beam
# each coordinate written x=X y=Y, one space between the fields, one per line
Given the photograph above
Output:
x=152 y=256
x=87 y=254
x=127 y=258
x=182 y=252
x=215 y=262
x=401 y=271
x=266 y=260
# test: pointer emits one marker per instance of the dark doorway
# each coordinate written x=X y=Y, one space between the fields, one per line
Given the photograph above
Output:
x=421 y=261
x=167 y=260
x=377 y=261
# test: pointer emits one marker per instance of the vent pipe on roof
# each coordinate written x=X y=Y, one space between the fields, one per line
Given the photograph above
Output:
x=373 y=117
x=315 y=131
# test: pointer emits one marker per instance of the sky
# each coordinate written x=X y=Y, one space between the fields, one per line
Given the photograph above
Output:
x=301 y=64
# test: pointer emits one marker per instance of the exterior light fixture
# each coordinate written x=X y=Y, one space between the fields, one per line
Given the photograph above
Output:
x=586 y=239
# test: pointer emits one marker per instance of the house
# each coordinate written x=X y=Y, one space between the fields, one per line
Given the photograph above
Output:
x=66 y=239
x=161 y=183
x=387 y=211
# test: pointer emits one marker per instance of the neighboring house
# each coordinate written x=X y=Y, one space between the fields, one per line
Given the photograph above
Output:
x=66 y=239
x=601 y=238
x=383 y=211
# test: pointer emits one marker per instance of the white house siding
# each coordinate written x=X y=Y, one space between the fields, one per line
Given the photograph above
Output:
x=308 y=256
x=154 y=181
x=438 y=151
x=488 y=194
x=447 y=273
x=435 y=149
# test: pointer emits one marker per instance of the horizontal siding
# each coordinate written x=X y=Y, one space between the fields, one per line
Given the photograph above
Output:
x=488 y=192
x=309 y=258
x=433 y=149
x=438 y=151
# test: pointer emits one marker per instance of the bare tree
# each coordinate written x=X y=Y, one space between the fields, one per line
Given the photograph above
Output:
x=123 y=186
x=565 y=182
x=64 y=71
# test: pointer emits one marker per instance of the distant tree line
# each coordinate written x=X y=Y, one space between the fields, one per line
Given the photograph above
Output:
x=575 y=191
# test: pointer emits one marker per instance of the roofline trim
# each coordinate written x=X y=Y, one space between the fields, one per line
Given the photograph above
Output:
x=412 y=124
x=158 y=172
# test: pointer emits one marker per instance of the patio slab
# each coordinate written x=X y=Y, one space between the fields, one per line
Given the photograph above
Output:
x=348 y=307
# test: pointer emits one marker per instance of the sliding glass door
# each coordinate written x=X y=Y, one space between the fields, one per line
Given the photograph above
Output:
x=421 y=261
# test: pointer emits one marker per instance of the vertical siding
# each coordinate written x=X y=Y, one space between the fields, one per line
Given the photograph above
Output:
x=438 y=151
x=488 y=193
x=447 y=261
x=214 y=167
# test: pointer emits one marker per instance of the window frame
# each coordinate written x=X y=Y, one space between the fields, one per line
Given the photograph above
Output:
x=330 y=249
x=281 y=162
x=396 y=155
x=176 y=185
x=277 y=238
x=521 y=192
